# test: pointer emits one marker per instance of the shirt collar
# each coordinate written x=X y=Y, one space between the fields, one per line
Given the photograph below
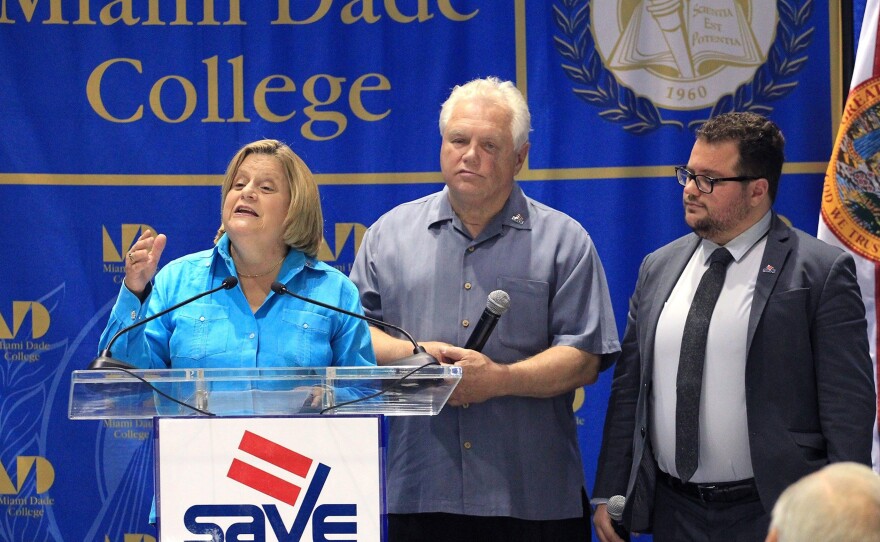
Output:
x=293 y=263
x=742 y=243
x=514 y=214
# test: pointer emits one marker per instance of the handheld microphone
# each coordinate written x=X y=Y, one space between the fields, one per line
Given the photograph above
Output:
x=106 y=361
x=496 y=305
x=419 y=356
x=615 y=507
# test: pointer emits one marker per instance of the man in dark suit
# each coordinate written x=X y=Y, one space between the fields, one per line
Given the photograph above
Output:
x=787 y=379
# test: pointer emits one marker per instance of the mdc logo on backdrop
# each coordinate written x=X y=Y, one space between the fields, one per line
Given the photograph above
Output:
x=37 y=475
x=18 y=341
x=116 y=246
x=20 y=310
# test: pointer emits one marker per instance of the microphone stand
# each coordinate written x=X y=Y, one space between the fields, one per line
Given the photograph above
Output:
x=106 y=360
x=420 y=356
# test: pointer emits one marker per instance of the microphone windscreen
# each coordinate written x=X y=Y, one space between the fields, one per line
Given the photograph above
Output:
x=498 y=302
x=230 y=283
x=277 y=287
x=616 y=505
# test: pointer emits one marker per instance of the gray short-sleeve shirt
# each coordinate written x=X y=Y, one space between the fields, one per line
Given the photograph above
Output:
x=418 y=268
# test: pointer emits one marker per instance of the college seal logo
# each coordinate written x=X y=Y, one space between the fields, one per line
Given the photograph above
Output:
x=649 y=63
x=851 y=197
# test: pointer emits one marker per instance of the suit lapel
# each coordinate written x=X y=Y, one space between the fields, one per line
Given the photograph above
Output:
x=775 y=254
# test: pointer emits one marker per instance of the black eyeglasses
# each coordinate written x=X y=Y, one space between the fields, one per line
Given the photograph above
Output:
x=705 y=183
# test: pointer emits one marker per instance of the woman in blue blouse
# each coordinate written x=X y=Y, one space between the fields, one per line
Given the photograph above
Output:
x=272 y=227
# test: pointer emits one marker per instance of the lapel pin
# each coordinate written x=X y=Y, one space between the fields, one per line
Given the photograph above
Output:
x=518 y=218
x=768 y=269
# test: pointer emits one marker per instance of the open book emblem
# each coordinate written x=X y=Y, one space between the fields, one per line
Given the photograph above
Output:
x=691 y=57
x=685 y=37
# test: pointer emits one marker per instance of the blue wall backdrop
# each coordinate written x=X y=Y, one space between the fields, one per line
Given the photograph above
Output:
x=120 y=116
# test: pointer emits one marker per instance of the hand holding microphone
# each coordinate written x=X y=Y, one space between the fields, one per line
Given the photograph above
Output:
x=496 y=305
x=607 y=520
x=616 y=504
x=480 y=375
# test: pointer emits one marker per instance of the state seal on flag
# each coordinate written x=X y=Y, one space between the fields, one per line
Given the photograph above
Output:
x=648 y=63
x=851 y=196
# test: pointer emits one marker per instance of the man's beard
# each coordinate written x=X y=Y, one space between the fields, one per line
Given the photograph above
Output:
x=706 y=227
x=711 y=227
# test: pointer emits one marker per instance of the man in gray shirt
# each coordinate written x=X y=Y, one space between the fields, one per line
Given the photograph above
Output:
x=501 y=461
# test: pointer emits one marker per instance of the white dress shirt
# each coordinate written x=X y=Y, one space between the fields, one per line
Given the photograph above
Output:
x=724 y=443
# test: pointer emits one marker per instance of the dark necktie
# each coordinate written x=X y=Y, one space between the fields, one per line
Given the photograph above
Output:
x=690 y=364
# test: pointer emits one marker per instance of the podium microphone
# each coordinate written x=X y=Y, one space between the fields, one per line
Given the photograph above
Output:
x=106 y=361
x=496 y=305
x=419 y=356
x=615 y=507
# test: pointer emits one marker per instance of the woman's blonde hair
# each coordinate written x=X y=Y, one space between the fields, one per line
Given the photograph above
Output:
x=304 y=224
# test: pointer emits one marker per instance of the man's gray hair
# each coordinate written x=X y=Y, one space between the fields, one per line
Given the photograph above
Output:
x=839 y=503
x=493 y=90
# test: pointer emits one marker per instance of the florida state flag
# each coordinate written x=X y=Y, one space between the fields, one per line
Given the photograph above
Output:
x=850 y=215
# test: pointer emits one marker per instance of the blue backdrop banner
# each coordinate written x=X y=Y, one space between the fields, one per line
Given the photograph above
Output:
x=118 y=116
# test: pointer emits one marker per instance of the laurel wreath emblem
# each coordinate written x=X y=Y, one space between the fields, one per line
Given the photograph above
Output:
x=596 y=85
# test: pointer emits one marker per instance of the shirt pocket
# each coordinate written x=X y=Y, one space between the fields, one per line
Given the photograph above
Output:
x=200 y=330
x=305 y=338
x=524 y=326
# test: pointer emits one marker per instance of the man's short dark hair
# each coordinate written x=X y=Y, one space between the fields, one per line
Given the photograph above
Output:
x=759 y=140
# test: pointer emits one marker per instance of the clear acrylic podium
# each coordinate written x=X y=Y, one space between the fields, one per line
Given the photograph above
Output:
x=262 y=437
x=148 y=393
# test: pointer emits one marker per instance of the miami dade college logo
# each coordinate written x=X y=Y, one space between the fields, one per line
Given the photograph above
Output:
x=851 y=197
x=241 y=479
x=343 y=231
x=649 y=63
x=113 y=254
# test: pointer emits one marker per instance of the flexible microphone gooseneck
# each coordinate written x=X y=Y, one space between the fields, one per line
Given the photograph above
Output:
x=496 y=305
x=106 y=361
x=419 y=359
x=419 y=356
